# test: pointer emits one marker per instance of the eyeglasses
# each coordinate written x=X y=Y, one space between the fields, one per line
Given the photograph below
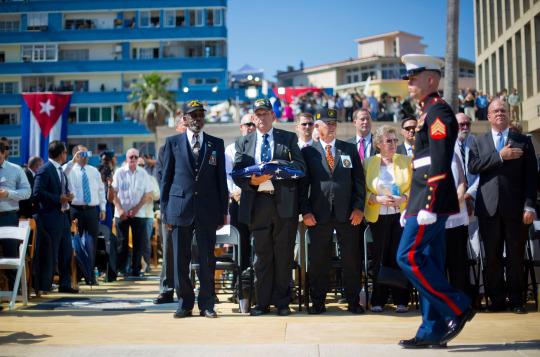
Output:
x=391 y=141
x=249 y=124
x=465 y=124
x=140 y=165
x=307 y=124
x=133 y=157
x=409 y=128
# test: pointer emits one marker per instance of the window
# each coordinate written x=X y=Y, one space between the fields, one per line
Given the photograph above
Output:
x=37 y=84
x=39 y=53
x=37 y=21
x=14 y=147
x=218 y=17
x=201 y=81
x=8 y=118
x=144 y=19
x=148 y=53
x=95 y=114
x=74 y=55
x=196 y=17
x=9 y=26
x=9 y=87
x=2 y=57
x=74 y=85
x=169 y=18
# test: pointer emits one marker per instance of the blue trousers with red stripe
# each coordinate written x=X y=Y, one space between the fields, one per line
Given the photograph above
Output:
x=421 y=256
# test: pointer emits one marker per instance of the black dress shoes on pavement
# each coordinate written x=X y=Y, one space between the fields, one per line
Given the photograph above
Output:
x=284 y=311
x=316 y=309
x=356 y=309
x=456 y=324
x=211 y=314
x=519 y=310
x=418 y=343
x=164 y=299
x=68 y=290
x=258 y=311
x=181 y=313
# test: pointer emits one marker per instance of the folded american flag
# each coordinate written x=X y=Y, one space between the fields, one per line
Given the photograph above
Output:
x=278 y=171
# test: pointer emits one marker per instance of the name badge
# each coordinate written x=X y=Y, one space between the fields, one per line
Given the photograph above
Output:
x=346 y=161
x=213 y=158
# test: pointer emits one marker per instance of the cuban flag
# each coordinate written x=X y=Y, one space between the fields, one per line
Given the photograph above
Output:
x=278 y=170
x=44 y=118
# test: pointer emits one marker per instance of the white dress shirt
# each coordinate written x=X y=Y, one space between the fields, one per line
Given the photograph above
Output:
x=75 y=184
x=131 y=187
x=332 y=148
x=266 y=185
x=148 y=208
x=303 y=144
x=230 y=152
x=56 y=167
x=190 y=134
x=408 y=148
x=367 y=145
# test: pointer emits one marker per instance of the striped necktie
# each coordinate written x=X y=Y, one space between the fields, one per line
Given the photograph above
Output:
x=87 y=196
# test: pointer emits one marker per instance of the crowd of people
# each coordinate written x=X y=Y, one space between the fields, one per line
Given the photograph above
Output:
x=408 y=197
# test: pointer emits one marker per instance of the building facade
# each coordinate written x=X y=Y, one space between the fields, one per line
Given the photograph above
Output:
x=507 y=39
x=97 y=48
x=378 y=68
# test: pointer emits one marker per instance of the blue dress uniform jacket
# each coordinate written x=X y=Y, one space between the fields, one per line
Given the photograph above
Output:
x=189 y=191
x=433 y=188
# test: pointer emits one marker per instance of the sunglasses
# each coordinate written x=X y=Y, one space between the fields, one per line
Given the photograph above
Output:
x=465 y=124
x=307 y=124
x=409 y=128
x=140 y=165
x=391 y=141
x=133 y=157
x=249 y=124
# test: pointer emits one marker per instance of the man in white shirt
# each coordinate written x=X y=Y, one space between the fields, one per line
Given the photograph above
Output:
x=88 y=205
x=133 y=190
x=246 y=127
x=304 y=129
x=363 y=139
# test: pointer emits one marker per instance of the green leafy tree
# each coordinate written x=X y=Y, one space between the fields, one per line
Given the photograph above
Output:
x=151 y=90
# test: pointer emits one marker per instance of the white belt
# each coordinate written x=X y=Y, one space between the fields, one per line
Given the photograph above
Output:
x=425 y=161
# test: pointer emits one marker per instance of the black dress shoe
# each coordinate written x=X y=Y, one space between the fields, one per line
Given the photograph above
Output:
x=258 y=311
x=181 y=313
x=208 y=313
x=418 y=343
x=284 y=311
x=456 y=325
x=519 y=310
x=358 y=309
x=316 y=309
x=164 y=299
x=68 y=290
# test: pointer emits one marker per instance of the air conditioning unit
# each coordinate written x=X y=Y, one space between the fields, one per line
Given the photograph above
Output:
x=118 y=49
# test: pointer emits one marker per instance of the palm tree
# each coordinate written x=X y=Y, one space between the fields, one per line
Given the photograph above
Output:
x=451 y=67
x=152 y=88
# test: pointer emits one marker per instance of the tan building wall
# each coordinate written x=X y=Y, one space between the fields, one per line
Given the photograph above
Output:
x=507 y=38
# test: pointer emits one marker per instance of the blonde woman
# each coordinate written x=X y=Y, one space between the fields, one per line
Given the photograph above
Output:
x=388 y=181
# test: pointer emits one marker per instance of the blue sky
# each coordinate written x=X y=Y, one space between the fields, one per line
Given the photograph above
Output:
x=273 y=34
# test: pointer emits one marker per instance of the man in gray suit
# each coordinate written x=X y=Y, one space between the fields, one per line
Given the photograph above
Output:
x=332 y=197
x=270 y=207
x=505 y=200
x=363 y=139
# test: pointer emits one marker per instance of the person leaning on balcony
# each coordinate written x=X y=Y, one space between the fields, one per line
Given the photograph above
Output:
x=388 y=182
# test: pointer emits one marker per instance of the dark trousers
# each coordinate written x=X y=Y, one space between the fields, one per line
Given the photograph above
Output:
x=243 y=229
x=10 y=247
x=498 y=232
x=182 y=237
x=457 y=255
x=88 y=221
x=320 y=252
x=386 y=233
x=166 y=278
x=273 y=242
x=138 y=235
x=53 y=250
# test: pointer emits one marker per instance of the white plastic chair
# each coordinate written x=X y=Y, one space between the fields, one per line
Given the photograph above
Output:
x=22 y=234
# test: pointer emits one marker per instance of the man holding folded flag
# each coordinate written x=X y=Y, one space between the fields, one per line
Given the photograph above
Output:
x=269 y=205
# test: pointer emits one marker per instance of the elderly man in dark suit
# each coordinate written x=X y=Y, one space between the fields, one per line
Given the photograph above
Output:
x=505 y=200
x=53 y=243
x=270 y=207
x=332 y=197
x=194 y=199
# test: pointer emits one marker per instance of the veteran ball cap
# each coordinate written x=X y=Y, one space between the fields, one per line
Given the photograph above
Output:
x=194 y=105
x=326 y=115
x=417 y=63
x=262 y=103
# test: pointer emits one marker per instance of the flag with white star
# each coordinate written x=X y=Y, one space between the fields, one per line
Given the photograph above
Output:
x=44 y=118
x=279 y=171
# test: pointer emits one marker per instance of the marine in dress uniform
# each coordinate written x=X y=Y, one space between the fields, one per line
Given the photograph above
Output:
x=421 y=253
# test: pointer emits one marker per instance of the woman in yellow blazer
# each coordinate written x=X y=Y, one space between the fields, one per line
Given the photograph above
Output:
x=388 y=182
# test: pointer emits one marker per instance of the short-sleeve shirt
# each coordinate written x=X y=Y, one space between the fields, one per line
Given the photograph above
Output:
x=131 y=187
